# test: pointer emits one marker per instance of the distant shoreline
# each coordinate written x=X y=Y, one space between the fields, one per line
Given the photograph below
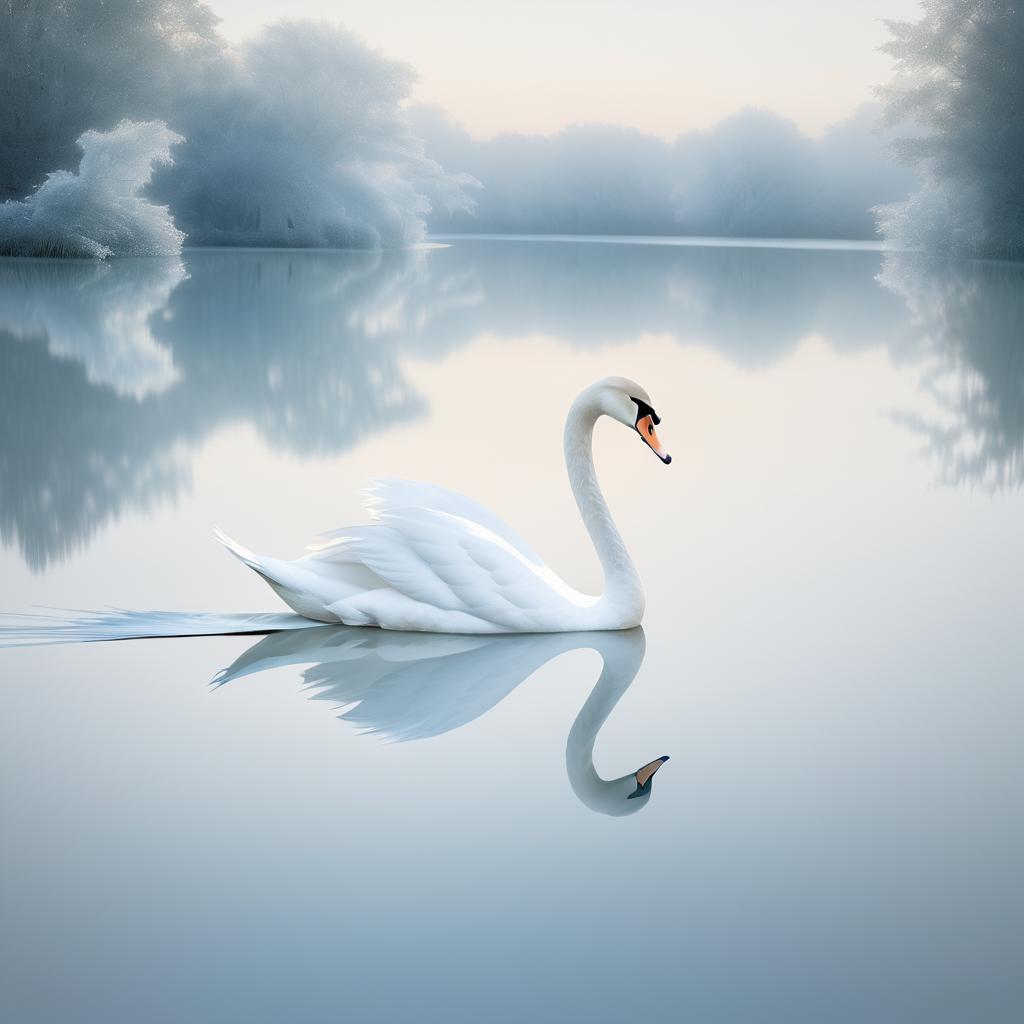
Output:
x=696 y=241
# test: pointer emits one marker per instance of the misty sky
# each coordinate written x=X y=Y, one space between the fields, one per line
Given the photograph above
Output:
x=662 y=66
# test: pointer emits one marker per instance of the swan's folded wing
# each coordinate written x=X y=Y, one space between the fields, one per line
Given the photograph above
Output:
x=390 y=495
x=446 y=562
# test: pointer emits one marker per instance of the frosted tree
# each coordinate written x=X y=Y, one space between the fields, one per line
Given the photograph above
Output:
x=302 y=140
x=753 y=174
x=960 y=78
x=70 y=66
x=299 y=138
x=98 y=211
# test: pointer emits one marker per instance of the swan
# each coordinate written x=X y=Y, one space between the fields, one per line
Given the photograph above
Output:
x=410 y=686
x=434 y=561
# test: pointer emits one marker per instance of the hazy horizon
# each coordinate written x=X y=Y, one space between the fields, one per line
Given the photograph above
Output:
x=667 y=70
x=301 y=132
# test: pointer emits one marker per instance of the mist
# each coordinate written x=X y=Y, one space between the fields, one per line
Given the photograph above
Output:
x=303 y=143
x=297 y=138
x=131 y=127
x=752 y=175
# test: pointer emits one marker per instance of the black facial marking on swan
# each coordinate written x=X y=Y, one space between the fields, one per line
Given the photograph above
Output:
x=643 y=409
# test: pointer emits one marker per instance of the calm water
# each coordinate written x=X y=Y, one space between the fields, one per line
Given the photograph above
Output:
x=831 y=653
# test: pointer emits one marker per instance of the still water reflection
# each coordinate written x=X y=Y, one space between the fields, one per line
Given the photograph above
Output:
x=967 y=327
x=112 y=374
x=833 y=643
x=407 y=686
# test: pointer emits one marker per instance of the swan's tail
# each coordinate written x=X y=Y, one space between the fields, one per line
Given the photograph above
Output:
x=241 y=553
x=299 y=588
x=258 y=565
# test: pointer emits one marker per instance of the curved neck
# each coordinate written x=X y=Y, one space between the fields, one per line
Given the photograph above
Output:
x=621 y=579
x=622 y=653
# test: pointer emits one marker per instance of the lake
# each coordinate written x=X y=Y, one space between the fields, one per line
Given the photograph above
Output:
x=342 y=824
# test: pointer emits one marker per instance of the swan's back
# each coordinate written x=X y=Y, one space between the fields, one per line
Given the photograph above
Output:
x=431 y=560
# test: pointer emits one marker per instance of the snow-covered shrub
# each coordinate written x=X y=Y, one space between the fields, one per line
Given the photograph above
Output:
x=97 y=212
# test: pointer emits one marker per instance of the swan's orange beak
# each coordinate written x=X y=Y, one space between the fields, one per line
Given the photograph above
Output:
x=645 y=774
x=645 y=428
x=643 y=778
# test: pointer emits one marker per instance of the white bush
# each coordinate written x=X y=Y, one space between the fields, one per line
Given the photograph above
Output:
x=98 y=212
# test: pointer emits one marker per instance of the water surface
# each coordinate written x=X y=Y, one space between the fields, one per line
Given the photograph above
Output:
x=831 y=654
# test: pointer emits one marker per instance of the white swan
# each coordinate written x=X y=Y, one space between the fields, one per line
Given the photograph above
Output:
x=437 y=562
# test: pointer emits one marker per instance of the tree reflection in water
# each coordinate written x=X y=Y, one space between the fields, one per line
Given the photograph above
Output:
x=968 y=321
x=112 y=375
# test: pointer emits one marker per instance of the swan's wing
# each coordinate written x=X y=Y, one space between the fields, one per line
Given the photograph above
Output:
x=390 y=495
x=445 y=562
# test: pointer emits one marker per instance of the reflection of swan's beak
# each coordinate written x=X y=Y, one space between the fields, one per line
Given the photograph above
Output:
x=644 y=775
x=645 y=428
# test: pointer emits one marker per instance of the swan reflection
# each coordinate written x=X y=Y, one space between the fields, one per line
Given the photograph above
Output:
x=409 y=686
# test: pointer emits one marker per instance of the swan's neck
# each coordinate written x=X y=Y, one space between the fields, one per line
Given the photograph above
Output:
x=622 y=653
x=621 y=580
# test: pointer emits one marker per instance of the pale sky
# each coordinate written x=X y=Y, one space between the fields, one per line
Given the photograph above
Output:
x=665 y=67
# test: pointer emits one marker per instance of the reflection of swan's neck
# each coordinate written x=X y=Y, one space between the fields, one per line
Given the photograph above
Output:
x=622 y=653
x=622 y=582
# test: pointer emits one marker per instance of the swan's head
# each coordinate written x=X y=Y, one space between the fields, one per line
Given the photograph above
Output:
x=638 y=796
x=624 y=400
x=615 y=797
